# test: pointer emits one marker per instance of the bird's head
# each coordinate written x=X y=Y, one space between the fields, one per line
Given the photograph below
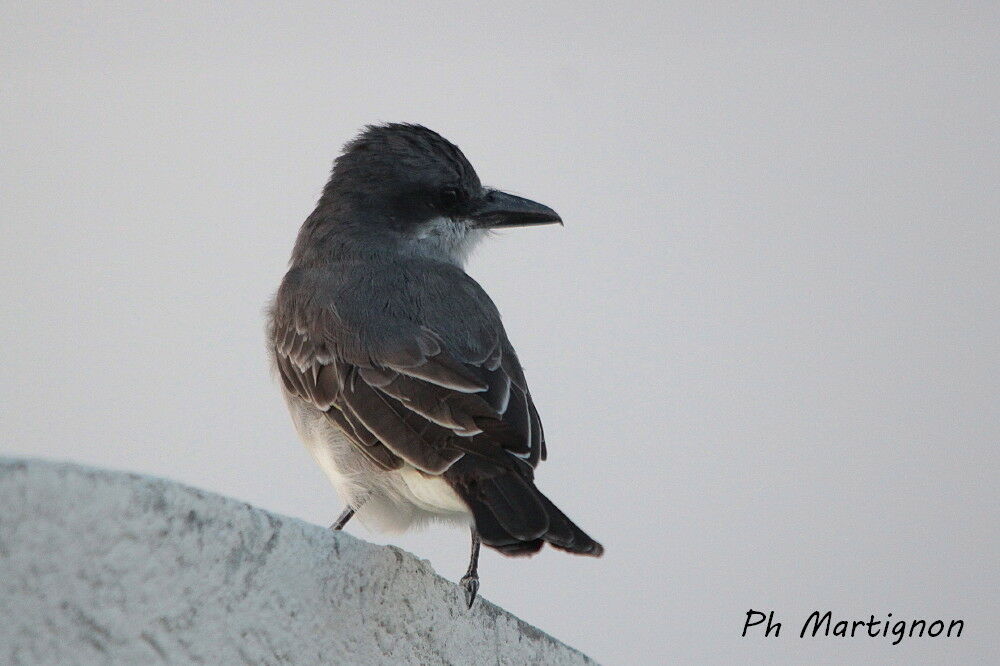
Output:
x=411 y=182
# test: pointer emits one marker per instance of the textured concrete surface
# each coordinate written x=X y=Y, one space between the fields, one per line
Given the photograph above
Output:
x=108 y=567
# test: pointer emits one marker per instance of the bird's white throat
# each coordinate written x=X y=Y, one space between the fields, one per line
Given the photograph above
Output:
x=447 y=239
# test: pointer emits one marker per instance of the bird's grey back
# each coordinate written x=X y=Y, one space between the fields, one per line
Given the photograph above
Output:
x=368 y=309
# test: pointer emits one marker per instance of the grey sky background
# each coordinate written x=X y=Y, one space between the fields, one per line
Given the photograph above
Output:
x=764 y=345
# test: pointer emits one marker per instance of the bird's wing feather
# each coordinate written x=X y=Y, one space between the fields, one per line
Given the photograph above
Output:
x=401 y=390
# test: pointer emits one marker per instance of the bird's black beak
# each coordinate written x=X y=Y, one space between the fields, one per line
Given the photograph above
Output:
x=497 y=210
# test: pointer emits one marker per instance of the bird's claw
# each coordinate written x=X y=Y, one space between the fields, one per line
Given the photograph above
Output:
x=470 y=584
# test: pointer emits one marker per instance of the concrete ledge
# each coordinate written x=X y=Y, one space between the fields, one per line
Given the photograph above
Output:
x=107 y=567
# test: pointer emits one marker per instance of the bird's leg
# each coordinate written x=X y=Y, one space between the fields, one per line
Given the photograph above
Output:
x=348 y=513
x=470 y=581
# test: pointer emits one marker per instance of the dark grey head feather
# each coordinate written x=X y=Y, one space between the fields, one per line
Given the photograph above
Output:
x=389 y=180
x=399 y=156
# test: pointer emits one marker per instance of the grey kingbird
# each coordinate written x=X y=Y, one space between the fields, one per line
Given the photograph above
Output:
x=394 y=362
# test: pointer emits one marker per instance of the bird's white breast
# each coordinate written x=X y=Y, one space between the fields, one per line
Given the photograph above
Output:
x=431 y=493
x=393 y=501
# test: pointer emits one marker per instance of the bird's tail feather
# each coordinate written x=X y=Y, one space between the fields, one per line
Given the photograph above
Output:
x=515 y=518
x=565 y=535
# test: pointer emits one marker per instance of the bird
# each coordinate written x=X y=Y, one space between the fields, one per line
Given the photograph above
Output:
x=393 y=361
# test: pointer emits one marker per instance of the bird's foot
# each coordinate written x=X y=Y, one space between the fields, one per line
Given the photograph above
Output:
x=470 y=584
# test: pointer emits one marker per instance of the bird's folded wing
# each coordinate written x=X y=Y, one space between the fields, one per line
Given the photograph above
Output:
x=410 y=398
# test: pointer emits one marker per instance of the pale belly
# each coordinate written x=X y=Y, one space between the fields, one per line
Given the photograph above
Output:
x=431 y=493
x=392 y=501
